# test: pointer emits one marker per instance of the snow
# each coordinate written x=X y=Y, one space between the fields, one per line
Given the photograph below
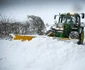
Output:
x=41 y=53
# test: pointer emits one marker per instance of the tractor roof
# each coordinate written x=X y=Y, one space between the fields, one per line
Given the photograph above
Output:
x=69 y=14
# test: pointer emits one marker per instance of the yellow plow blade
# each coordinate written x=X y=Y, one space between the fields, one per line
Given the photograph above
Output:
x=23 y=38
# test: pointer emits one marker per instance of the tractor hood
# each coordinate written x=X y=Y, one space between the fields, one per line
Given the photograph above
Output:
x=62 y=25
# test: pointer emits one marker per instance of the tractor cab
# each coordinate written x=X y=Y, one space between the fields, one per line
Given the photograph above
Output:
x=67 y=19
x=70 y=19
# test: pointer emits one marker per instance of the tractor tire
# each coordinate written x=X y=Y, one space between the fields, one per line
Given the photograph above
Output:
x=81 y=37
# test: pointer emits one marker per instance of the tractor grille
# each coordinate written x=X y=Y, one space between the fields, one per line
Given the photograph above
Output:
x=74 y=29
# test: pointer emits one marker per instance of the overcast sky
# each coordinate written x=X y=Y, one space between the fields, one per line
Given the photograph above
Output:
x=6 y=3
x=46 y=9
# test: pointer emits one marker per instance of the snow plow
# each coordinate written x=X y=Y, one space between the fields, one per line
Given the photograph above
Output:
x=23 y=38
x=69 y=26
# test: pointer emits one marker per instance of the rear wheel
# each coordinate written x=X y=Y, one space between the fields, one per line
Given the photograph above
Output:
x=81 y=37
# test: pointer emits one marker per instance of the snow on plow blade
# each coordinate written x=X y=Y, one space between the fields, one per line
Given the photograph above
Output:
x=23 y=38
x=64 y=39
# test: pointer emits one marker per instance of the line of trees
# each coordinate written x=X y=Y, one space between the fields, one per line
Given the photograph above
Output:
x=34 y=25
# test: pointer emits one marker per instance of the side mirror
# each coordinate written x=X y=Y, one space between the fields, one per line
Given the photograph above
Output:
x=55 y=16
x=82 y=24
x=55 y=21
x=83 y=15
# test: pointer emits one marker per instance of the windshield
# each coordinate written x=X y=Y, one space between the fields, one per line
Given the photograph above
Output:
x=67 y=19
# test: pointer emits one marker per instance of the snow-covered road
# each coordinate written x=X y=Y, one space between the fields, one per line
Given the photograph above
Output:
x=41 y=54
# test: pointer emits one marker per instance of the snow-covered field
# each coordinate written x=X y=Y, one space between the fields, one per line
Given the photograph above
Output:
x=41 y=54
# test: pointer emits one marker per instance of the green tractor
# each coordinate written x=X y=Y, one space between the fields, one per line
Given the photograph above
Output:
x=68 y=26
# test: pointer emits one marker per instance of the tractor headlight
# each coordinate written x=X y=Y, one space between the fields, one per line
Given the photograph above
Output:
x=59 y=28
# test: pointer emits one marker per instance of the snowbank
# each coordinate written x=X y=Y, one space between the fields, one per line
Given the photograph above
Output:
x=41 y=54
